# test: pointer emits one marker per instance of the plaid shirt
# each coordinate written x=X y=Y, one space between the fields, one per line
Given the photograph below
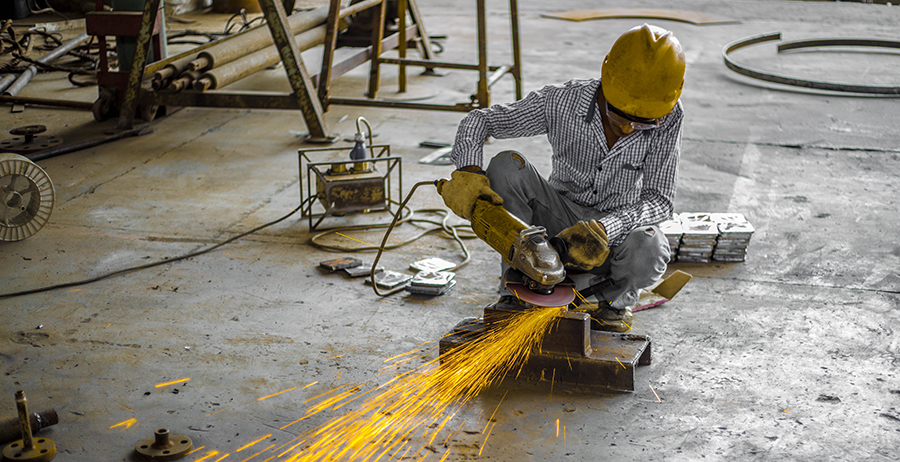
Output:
x=633 y=183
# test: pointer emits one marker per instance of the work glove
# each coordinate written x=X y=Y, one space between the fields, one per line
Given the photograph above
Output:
x=583 y=245
x=465 y=188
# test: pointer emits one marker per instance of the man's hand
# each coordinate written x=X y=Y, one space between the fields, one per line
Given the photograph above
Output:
x=464 y=188
x=583 y=245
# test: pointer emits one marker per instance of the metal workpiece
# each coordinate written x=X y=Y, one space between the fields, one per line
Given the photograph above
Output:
x=11 y=428
x=28 y=448
x=802 y=44
x=163 y=446
x=570 y=353
x=13 y=88
x=27 y=197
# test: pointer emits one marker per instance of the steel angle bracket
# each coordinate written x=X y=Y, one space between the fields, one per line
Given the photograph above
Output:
x=801 y=44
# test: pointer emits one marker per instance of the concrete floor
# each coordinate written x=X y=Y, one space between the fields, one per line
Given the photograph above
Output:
x=791 y=355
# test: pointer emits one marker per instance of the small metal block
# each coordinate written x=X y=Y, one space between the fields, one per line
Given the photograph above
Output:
x=43 y=450
x=164 y=446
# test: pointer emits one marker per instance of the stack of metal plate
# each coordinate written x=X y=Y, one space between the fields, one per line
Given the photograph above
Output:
x=734 y=236
x=432 y=283
x=673 y=230
x=699 y=238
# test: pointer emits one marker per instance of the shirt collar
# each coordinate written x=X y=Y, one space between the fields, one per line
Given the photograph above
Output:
x=588 y=104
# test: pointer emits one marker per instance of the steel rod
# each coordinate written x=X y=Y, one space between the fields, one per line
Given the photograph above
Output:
x=29 y=73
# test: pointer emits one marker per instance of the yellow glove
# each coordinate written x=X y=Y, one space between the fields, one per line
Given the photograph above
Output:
x=464 y=188
x=583 y=245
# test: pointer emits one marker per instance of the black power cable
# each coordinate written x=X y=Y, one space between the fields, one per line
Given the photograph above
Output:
x=150 y=265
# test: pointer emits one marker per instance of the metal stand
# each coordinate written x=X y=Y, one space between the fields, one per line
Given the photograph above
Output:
x=119 y=89
x=310 y=93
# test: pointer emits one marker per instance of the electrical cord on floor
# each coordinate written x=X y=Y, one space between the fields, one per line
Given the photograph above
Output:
x=451 y=230
x=154 y=264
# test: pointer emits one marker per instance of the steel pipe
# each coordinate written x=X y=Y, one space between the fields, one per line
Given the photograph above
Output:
x=29 y=73
x=255 y=40
x=221 y=76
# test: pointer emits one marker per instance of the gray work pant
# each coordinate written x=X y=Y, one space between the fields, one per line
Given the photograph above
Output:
x=636 y=263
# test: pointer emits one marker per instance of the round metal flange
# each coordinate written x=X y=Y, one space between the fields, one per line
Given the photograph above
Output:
x=42 y=450
x=26 y=140
x=164 y=446
x=26 y=197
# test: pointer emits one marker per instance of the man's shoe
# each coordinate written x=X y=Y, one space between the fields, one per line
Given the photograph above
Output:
x=607 y=318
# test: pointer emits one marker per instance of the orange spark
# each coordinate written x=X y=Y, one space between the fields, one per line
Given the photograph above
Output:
x=126 y=423
x=557 y=428
x=194 y=450
x=382 y=423
x=123 y=407
x=654 y=392
x=276 y=394
x=311 y=384
x=620 y=363
x=209 y=455
x=258 y=453
x=166 y=384
x=252 y=443
x=220 y=458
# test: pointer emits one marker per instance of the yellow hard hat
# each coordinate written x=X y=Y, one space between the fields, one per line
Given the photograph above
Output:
x=643 y=74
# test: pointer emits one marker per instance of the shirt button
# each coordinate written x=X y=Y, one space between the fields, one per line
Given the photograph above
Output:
x=595 y=192
x=599 y=169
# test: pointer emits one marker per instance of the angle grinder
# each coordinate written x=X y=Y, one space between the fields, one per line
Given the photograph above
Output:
x=536 y=275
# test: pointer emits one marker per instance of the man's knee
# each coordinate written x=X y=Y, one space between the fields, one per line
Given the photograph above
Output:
x=507 y=169
x=648 y=254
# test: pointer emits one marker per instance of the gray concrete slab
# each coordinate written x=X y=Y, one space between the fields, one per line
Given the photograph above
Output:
x=791 y=355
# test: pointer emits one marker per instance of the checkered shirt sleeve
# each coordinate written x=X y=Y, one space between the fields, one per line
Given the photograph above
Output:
x=633 y=183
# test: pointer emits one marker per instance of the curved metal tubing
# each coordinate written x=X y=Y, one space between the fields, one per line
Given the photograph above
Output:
x=818 y=85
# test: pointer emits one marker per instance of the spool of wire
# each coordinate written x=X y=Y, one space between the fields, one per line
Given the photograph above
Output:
x=26 y=197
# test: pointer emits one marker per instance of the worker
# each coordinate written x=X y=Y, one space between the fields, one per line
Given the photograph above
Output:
x=616 y=142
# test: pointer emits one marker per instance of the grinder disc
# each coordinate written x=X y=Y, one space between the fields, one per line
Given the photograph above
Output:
x=562 y=295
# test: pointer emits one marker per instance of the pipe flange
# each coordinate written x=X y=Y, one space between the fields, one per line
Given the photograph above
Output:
x=164 y=446
x=42 y=450
x=26 y=140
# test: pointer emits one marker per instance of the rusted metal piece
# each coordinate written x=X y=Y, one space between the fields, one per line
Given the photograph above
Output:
x=302 y=86
x=483 y=94
x=800 y=44
x=136 y=74
x=516 y=70
x=11 y=428
x=571 y=353
x=377 y=39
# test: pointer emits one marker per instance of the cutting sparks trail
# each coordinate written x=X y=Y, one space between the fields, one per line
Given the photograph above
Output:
x=390 y=420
